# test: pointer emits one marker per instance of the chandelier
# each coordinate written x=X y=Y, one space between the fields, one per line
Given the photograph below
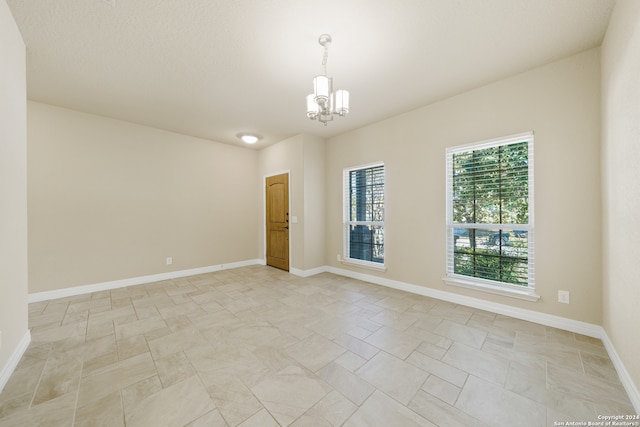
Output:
x=323 y=103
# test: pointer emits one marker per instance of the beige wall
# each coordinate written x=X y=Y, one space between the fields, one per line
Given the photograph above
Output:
x=560 y=102
x=13 y=188
x=621 y=182
x=314 y=202
x=111 y=200
x=302 y=156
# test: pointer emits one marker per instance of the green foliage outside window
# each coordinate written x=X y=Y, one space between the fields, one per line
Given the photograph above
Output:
x=491 y=188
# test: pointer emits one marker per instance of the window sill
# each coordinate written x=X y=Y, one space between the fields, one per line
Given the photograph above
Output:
x=364 y=264
x=525 y=294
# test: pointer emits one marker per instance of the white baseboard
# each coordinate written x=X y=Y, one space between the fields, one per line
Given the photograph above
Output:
x=308 y=273
x=570 y=325
x=576 y=326
x=623 y=374
x=86 y=289
x=12 y=363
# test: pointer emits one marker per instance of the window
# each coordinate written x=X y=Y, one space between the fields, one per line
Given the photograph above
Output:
x=490 y=230
x=364 y=215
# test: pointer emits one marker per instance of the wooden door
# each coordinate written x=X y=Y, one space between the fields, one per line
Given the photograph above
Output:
x=277 y=196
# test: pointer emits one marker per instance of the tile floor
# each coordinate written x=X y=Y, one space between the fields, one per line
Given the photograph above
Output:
x=256 y=346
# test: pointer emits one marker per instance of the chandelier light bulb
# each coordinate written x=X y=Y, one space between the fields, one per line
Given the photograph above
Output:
x=321 y=89
x=342 y=102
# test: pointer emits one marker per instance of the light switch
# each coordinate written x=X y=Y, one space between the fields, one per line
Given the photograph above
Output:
x=294 y=219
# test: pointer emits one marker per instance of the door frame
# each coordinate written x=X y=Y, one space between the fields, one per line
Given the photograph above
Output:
x=264 y=214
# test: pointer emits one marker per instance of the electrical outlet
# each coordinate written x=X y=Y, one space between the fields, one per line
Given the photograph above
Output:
x=563 y=297
x=339 y=258
x=169 y=260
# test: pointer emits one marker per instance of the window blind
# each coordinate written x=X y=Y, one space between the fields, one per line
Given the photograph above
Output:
x=489 y=215
x=364 y=213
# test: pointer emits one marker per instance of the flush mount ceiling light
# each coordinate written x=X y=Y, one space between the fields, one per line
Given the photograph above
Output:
x=249 y=138
x=323 y=103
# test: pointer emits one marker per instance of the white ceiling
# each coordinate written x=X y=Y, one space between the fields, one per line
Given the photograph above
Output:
x=214 y=68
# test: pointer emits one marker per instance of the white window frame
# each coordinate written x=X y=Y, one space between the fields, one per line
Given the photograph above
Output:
x=491 y=286
x=347 y=223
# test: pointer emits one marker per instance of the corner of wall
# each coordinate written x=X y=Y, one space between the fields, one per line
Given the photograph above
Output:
x=620 y=109
x=13 y=196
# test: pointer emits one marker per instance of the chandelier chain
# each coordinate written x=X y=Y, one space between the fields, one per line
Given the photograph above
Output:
x=324 y=58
